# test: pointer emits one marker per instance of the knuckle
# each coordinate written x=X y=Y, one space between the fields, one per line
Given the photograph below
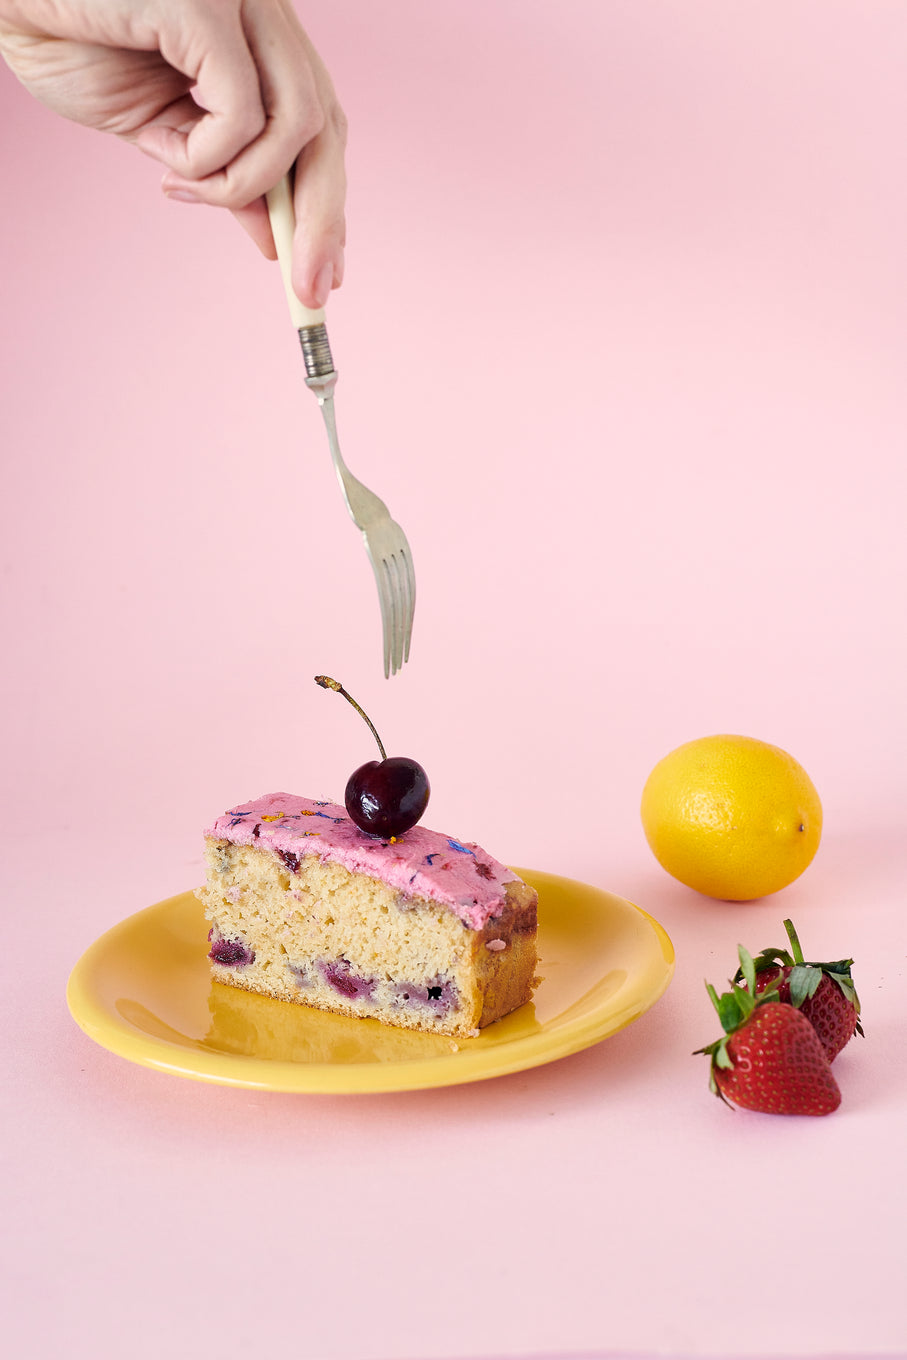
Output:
x=250 y=124
x=339 y=123
x=309 y=122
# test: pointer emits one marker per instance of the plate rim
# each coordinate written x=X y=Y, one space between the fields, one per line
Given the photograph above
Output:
x=463 y=1066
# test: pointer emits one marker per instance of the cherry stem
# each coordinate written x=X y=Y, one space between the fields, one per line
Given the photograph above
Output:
x=326 y=682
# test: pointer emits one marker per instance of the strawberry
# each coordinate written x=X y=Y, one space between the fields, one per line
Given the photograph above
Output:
x=823 y=992
x=769 y=1057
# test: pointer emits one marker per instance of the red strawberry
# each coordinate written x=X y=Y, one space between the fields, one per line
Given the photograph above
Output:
x=769 y=1057
x=823 y=992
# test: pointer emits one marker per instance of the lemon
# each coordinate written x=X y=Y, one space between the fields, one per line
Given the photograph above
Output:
x=732 y=817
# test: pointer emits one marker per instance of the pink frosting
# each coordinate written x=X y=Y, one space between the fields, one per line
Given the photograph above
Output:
x=420 y=863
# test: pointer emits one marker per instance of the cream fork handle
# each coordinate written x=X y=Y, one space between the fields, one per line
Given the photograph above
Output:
x=283 y=225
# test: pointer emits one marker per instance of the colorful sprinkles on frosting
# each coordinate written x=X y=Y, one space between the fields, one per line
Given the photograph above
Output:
x=462 y=849
x=417 y=863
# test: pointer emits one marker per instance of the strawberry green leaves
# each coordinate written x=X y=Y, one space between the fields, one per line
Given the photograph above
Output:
x=825 y=992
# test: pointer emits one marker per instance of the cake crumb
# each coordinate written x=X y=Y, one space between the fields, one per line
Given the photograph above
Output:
x=495 y=945
x=454 y=1048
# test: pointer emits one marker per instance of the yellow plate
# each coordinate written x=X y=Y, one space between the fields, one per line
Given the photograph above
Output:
x=144 y=991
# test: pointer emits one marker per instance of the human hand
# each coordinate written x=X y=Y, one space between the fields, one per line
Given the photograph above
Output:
x=227 y=94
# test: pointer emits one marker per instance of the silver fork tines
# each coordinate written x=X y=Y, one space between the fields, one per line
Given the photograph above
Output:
x=385 y=542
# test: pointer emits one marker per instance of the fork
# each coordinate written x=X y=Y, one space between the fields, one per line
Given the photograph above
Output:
x=385 y=542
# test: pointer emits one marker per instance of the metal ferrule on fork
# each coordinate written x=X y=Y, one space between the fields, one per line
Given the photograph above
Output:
x=320 y=373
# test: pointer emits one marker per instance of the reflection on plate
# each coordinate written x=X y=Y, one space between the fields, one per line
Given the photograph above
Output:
x=144 y=991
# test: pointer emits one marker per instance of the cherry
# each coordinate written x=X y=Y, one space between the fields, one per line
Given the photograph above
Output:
x=387 y=797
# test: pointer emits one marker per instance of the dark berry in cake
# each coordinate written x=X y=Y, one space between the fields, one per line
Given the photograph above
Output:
x=439 y=996
x=231 y=953
x=339 y=974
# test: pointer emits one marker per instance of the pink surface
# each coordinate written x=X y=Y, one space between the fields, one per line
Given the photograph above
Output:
x=622 y=343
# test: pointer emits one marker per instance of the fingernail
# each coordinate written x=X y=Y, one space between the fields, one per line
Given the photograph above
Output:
x=321 y=288
x=182 y=195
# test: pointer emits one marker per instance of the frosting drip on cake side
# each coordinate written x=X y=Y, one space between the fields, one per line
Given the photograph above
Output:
x=420 y=863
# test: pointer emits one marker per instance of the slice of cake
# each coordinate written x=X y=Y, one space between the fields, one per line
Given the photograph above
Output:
x=419 y=931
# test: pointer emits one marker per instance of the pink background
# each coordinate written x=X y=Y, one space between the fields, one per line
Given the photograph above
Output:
x=622 y=342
